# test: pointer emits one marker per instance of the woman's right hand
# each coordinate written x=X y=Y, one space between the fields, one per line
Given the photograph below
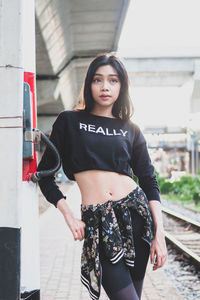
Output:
x=76 y=226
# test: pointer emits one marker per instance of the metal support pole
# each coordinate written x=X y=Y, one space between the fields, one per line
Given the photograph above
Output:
x=197 y=157
x=192 y=157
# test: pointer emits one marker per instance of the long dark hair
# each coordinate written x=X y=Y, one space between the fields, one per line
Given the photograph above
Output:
x=123 y=107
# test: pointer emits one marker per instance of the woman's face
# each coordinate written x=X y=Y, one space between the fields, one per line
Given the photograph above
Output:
x=105 y=87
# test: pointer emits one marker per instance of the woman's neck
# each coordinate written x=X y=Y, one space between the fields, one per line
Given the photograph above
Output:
x=102 y=112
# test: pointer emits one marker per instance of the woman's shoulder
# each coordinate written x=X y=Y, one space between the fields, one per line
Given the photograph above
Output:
x=67 y=114
x=63 y=118
x=134 y=126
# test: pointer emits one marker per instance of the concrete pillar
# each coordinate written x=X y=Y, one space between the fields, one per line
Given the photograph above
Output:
x=19 y=232
x=11 y=91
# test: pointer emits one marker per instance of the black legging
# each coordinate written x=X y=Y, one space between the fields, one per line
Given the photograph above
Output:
x=121 y=282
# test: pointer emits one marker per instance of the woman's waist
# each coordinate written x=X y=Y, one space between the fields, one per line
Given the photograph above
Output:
x=99 y=186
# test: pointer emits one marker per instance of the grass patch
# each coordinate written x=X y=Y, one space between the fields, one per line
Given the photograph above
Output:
x=188 y=203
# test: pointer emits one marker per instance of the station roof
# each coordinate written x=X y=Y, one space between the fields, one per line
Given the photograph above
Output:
x=69 y=34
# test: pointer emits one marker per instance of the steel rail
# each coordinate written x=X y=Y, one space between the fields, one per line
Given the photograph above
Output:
x=189 y=253
x=176 y=243
x=181 y=217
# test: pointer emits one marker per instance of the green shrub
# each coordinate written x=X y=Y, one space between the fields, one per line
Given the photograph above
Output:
x=196 y=190
x=166 y=187
x=196 y=197
x=188 y=187
x=160 y=180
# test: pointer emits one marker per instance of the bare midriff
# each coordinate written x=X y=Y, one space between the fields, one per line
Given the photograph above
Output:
x=99 y=186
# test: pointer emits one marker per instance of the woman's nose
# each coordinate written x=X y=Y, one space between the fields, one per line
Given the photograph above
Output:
x=105 y=85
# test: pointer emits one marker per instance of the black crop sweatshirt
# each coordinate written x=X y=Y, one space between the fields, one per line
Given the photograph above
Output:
x=86 y=142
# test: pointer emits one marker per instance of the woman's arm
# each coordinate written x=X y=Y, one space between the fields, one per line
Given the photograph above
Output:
x=75 y=225
x=158 y=253
x=48 y=185
x=144 y=170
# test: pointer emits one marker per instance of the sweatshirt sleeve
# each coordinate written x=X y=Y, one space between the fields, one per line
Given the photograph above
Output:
x=48 y=186
x=142 y=166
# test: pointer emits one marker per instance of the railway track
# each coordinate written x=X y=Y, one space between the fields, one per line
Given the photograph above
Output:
x=183 y=233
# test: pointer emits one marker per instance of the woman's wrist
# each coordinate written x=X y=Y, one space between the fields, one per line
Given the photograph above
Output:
x=159 y=230
x=64 y=207
x=156 y=212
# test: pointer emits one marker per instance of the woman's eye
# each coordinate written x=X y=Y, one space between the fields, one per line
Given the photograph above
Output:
x=96 y=80
x=114 y=80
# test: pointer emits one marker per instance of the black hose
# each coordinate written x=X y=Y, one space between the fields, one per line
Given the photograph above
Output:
x=38 y=175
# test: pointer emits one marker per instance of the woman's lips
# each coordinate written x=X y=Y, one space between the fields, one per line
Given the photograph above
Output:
x=105 y=97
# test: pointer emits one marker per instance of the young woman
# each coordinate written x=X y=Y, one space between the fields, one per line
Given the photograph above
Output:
x=121 y=220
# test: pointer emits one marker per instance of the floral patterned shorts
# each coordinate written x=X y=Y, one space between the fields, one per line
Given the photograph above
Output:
x=112 y=220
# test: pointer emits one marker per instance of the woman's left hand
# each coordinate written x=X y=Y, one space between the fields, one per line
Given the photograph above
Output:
x=158 y=253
